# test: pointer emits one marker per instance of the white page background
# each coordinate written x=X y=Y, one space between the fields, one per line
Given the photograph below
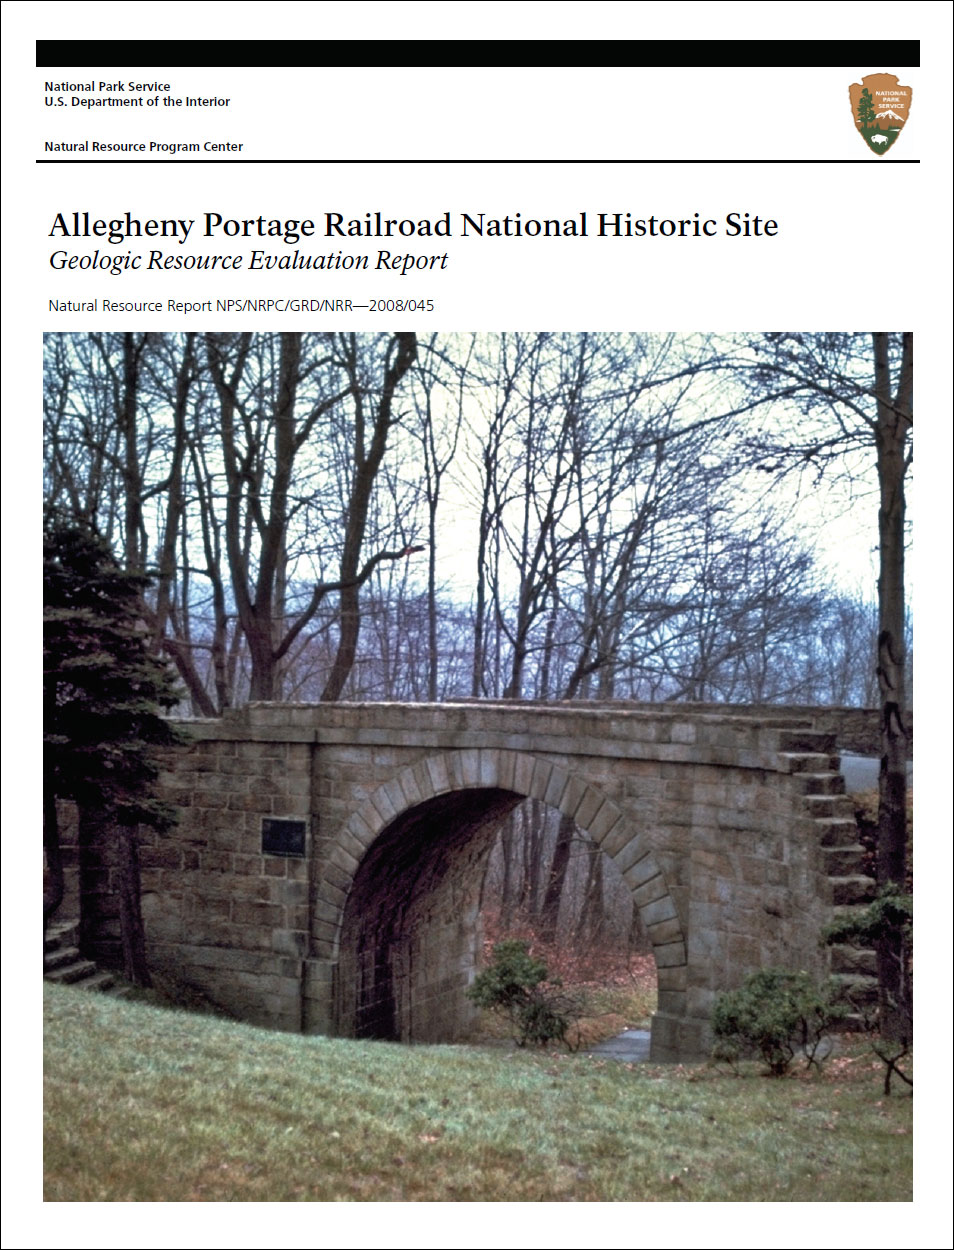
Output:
x=857 y=248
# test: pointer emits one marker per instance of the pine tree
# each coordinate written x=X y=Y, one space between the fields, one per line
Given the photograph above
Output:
x=866 y=109
x=102 y=699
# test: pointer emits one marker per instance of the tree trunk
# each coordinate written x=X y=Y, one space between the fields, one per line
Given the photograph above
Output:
x=175 y=500
x=533 y=820
x=135 y=967
x=98 y=908
x=109 y=892
x=432 y=656
x=349 y=626
x=894 y=418
x=550 y=912
x=589 y=927
x=507 y=893
x=401 y=355
x=53 y=883
x=132 y=473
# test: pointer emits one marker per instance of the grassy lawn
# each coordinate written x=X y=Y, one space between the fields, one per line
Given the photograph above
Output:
x=143 y=1104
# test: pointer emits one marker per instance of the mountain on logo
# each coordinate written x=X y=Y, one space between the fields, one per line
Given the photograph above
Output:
x=890 y=113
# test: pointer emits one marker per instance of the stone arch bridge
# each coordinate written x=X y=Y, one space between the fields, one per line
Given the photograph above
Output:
x=327 y=869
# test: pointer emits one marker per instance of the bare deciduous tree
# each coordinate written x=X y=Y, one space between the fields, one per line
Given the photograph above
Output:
x=274 y=484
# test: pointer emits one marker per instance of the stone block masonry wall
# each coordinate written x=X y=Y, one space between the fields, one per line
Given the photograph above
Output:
x=727 y=829
x=220 y=914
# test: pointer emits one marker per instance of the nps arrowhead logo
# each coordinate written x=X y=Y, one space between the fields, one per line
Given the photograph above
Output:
x=880 y=107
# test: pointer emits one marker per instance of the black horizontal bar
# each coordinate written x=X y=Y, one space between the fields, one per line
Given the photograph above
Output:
x=868 y=54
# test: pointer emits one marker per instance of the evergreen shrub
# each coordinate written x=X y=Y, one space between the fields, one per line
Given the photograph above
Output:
x=773 y=1015
x=517 y=986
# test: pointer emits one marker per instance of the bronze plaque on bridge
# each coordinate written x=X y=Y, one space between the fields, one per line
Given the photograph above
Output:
x=283 y=837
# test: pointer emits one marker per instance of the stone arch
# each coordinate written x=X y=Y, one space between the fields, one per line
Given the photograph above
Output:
x=519 y=775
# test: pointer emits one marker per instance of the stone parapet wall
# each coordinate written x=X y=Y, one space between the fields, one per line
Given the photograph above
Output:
x=857 y=730
x=676 y=732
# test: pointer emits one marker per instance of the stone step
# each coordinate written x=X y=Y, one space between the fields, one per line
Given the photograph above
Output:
x=72 y=972
x=852 y=961
x=845 y=910
x=820 y=783
x=98 y=981
x=820 y=763
x=833 y=831
x=61 y=934
x=59 y=957
x=849 y=890
x=63 y=964
x=838 y=806
x=857 y=989
x=844 y=861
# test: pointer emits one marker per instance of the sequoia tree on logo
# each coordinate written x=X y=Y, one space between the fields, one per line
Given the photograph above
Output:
x=881 y=107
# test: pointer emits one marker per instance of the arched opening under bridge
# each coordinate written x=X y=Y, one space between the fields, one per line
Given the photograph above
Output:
x=410 y=934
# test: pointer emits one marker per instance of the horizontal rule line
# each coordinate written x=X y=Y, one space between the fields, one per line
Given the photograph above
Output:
x=489 y=160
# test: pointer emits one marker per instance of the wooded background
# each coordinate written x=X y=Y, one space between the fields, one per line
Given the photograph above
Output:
x=524 y=515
